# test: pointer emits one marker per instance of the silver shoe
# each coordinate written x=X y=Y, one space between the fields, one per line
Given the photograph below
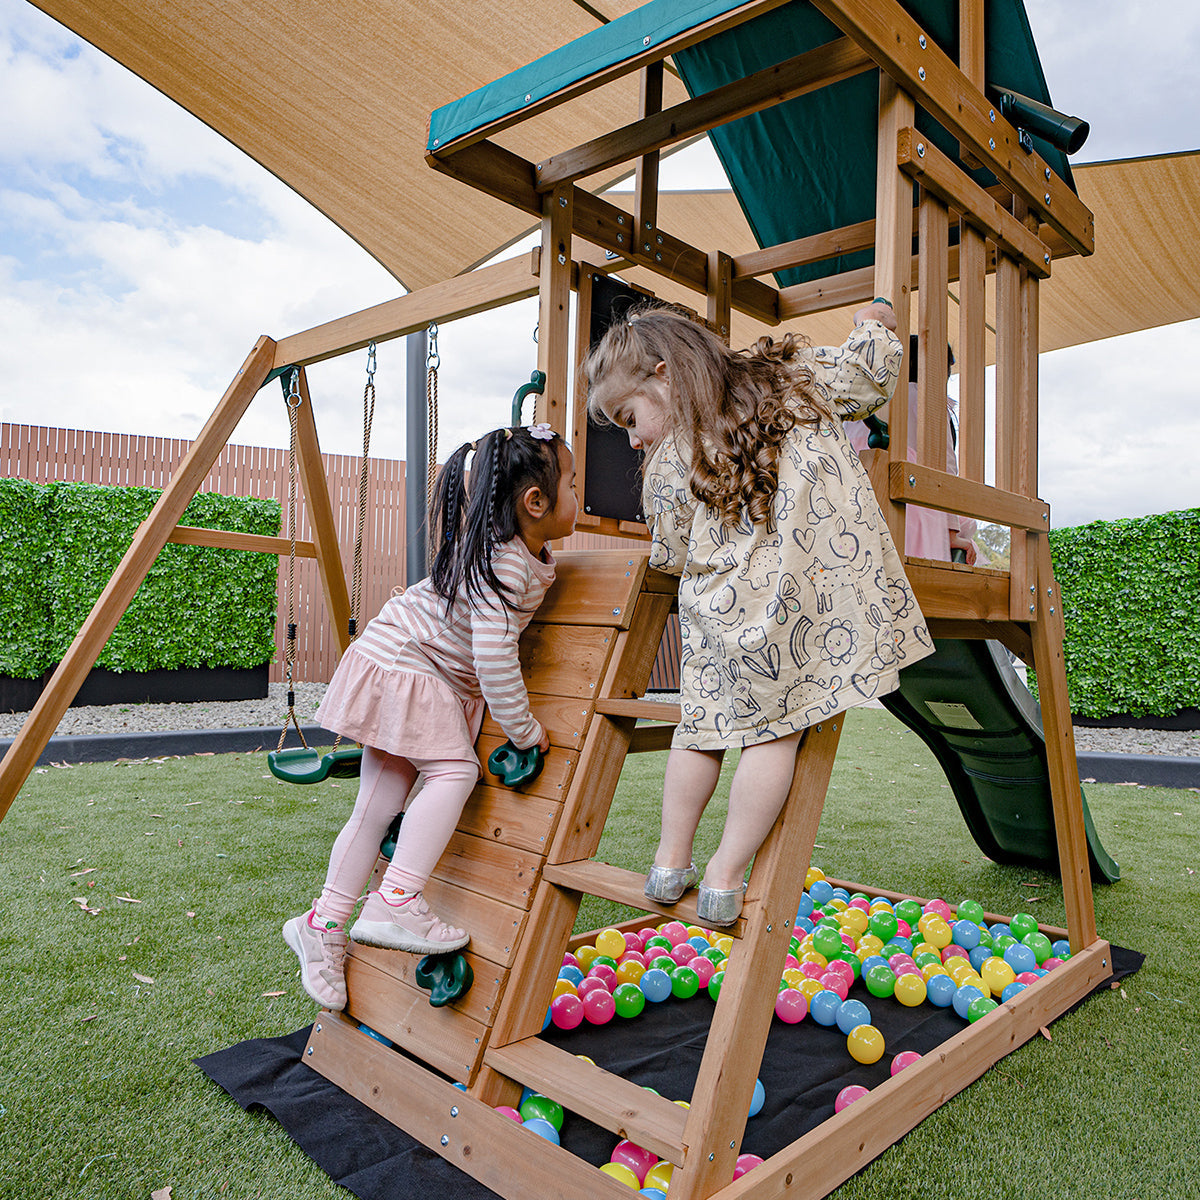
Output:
x=667 y=884
x=720 y=906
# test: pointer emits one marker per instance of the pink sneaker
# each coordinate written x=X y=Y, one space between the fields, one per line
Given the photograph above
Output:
x=407 y=925
x=322 y=955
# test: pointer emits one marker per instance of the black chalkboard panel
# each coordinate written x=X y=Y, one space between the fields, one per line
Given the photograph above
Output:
x=612 y=477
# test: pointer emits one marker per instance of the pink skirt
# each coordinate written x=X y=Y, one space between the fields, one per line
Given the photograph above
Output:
x=400 y=712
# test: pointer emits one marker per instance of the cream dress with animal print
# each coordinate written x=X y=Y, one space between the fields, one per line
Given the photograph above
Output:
x=786 y=623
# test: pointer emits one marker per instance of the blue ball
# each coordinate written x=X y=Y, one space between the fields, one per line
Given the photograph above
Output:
x=371 y=1033
x=542 y=1128
x=821 y=891
x=874 y=960
x=824 y=1007
x=699 y=944
x=758 y=1099
x=940 y=990
x=655 y=984
x=979 y=956
x=653 y=1193
x=574 y=974
x=963 y=997
x=1020 y=958
x=806 y=906
x=851 y=1015
x=899 y=945
x=840 y=893
x=1012 y=990
x=1000 y=929
x=966 y=934
x=804 y=925
x=1061 y=949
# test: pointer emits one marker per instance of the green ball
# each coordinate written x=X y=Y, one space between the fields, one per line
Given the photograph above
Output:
x=883 y=925
x=685 y=983
x=1002 y=943
x=980 y=1007
x=657 y=942
x=544 y=1107
x=970 y=910
x=880 y=981
x=1039 y=943
x=1022 y=925
x=848 y=956
x=664 y=962
x=629 y=999
x=827 y=940
x=605 y=960
x=910 y=911
x=714 y=984
x=714 y=955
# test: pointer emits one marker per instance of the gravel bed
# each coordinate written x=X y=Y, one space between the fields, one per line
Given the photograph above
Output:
x=272 y=711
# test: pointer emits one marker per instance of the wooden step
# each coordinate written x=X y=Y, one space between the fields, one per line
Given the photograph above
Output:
x=613 y=1103
x=594 y=878
x=645 y=710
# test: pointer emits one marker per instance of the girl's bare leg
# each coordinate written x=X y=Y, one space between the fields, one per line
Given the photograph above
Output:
x=760 y=786
x=690 y=780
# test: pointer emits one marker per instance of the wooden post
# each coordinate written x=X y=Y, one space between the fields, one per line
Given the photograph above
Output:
x=720 y=290
x=554 y=305
x=933 y=258
x=645 y=192
x=151 y=537
x=972 y=353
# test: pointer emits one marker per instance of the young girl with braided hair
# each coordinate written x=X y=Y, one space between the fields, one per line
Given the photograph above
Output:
x=793 y=603
x=413 y=687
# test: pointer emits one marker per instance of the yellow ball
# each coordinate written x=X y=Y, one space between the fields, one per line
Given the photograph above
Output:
x=585 y=956
x=932 y=969
x=724 y=943
x=810 y=987
x=838 y=903
x=611 y=942
x=794 y=977
x=997 y=974
x=853 y=921
x=865 y=1044
x=910 y=989
x=630 y=972
x=935 y=930
x=814 y=873
x=814 y=956
x=659 y=1175
x=622 y=1174
x=869 y=944
x=696 y=931
x=563 y=987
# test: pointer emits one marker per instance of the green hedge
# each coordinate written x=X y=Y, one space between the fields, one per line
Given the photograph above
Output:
x=1131 y=603
x=197 y=607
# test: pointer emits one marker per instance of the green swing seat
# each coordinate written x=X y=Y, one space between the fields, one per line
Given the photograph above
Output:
x=303 y=764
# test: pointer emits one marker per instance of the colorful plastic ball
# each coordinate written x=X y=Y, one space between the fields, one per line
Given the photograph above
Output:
x=840 y=966
x=656 y=941
x=542 y=1128
x=970 y=910
x=611 y=942
x=852 y=1014
x=791 y=1006
x=909 y=910
x=591 y=983
x=848 y=1095
x=714 y=986
x=824 y=1007
x=569 y=960
x=636 y=1158
x=622 y=1174
x=1048 y=964
x=604 y=972
x=865 y=1044
x=832 y=981
x=997 y=974
x=980 y=1007
x=659 y=1175
x=635 y=939
x=599 y=1006
x=940 y=990
x=684 y=983
x=653 y=1193
x=853 y=921
x=911 y=989
x=827 y=941
x=963 y=998
x=745 y=1162
x=630 y=972
x=905 y=1058
x=1023 y=924
x=883 y=925
x=966 y=934
x=1062 y=949
x=1014 y=989
x=1039 y=943
x=674 y=931
x=655 y=985
x=566 y=1011
x=663 y=962
x=574 y=974
x=1028 y=977
x=585 y=956
x=563 y=987
x=928 y=972
x=980 y=955
x=880 y=981
x=544 y=1107
x=507 y=1110
x=703 y=968
x=1000 y=929
x=758 y=1099
x=683 y=953
x=821 y=892
x=937 y=932
x=628 y=1000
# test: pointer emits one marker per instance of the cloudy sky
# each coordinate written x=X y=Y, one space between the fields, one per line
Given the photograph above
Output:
x=118 y=209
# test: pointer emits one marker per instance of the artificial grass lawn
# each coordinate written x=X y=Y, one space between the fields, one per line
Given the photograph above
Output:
x=195 y=863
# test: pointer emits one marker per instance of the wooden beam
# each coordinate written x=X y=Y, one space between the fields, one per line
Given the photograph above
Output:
x=919 y=158
x=477 y=291
x=972 y=57
x=802 y=251
x=920 y=67
x=554 y=309
x=148 y=541
x=798 y=76
x=227 y=539
x=912 y=483
x=655 y=51
x=933 y=427
x=972 y=353
x=720 y=285
x=645 y=189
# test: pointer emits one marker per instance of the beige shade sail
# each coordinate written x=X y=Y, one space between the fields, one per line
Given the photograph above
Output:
x=334 y=100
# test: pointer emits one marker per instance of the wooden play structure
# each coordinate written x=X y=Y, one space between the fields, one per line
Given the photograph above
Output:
x=958 y=196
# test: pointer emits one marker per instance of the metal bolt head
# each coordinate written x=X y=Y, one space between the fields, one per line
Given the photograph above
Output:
x=445 y=1140
x=921 y=74
x=921 y=41
x=992 y=115
x=1047 y=197
x=1047 y=174
x=991 y=143
x=920 y=149
x=562 y=202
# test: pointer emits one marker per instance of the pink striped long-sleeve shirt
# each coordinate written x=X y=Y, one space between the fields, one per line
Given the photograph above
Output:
x=472 y=646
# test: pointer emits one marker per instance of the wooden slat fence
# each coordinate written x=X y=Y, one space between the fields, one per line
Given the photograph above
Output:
x=44 y=454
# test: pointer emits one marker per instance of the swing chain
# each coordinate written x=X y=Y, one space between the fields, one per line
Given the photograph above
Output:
x=363 y=474
x=293 y=401
x=431 y=411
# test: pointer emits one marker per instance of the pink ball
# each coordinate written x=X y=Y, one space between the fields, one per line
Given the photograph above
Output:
x=507 y=1110
x=835 y=983
x=635 y=956
x=589 y=984
x=848 y=941
x=865 y=905
x=842 y=968
x=900 y=959
x=1028 y=977
x=903 y=928
x=605 y=974
x=905 y=1058
x=745 y=1162
x=1048 y=964
x=683 y=953
x=634 y=940
x=705 y=969
x=599 y=1006
x=954 y=951
x=639 y=1161
x=791 y=1006
x=848 y=1095
x=940 y=907
x=566 y=1011
x=675 y=932
x=569 y=960
x=812 y=970
x=906 y=968
x=791 y=962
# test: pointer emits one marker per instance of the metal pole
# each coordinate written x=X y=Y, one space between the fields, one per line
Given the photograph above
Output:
x=416 y=454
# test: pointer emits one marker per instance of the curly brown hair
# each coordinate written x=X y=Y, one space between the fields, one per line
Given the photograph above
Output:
x=729 y=409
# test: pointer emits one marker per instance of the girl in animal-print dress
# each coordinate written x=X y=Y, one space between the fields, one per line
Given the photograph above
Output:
x=793 y=601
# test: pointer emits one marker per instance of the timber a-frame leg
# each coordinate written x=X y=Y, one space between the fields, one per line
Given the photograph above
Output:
x=161 y=527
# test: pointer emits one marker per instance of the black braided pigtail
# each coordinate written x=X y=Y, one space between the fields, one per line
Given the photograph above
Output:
x=446 y=522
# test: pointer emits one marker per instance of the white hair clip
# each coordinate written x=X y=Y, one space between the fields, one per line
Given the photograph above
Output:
x=542 y=431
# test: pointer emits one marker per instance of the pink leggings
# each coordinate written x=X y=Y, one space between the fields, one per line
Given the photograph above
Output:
x=429 y=820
